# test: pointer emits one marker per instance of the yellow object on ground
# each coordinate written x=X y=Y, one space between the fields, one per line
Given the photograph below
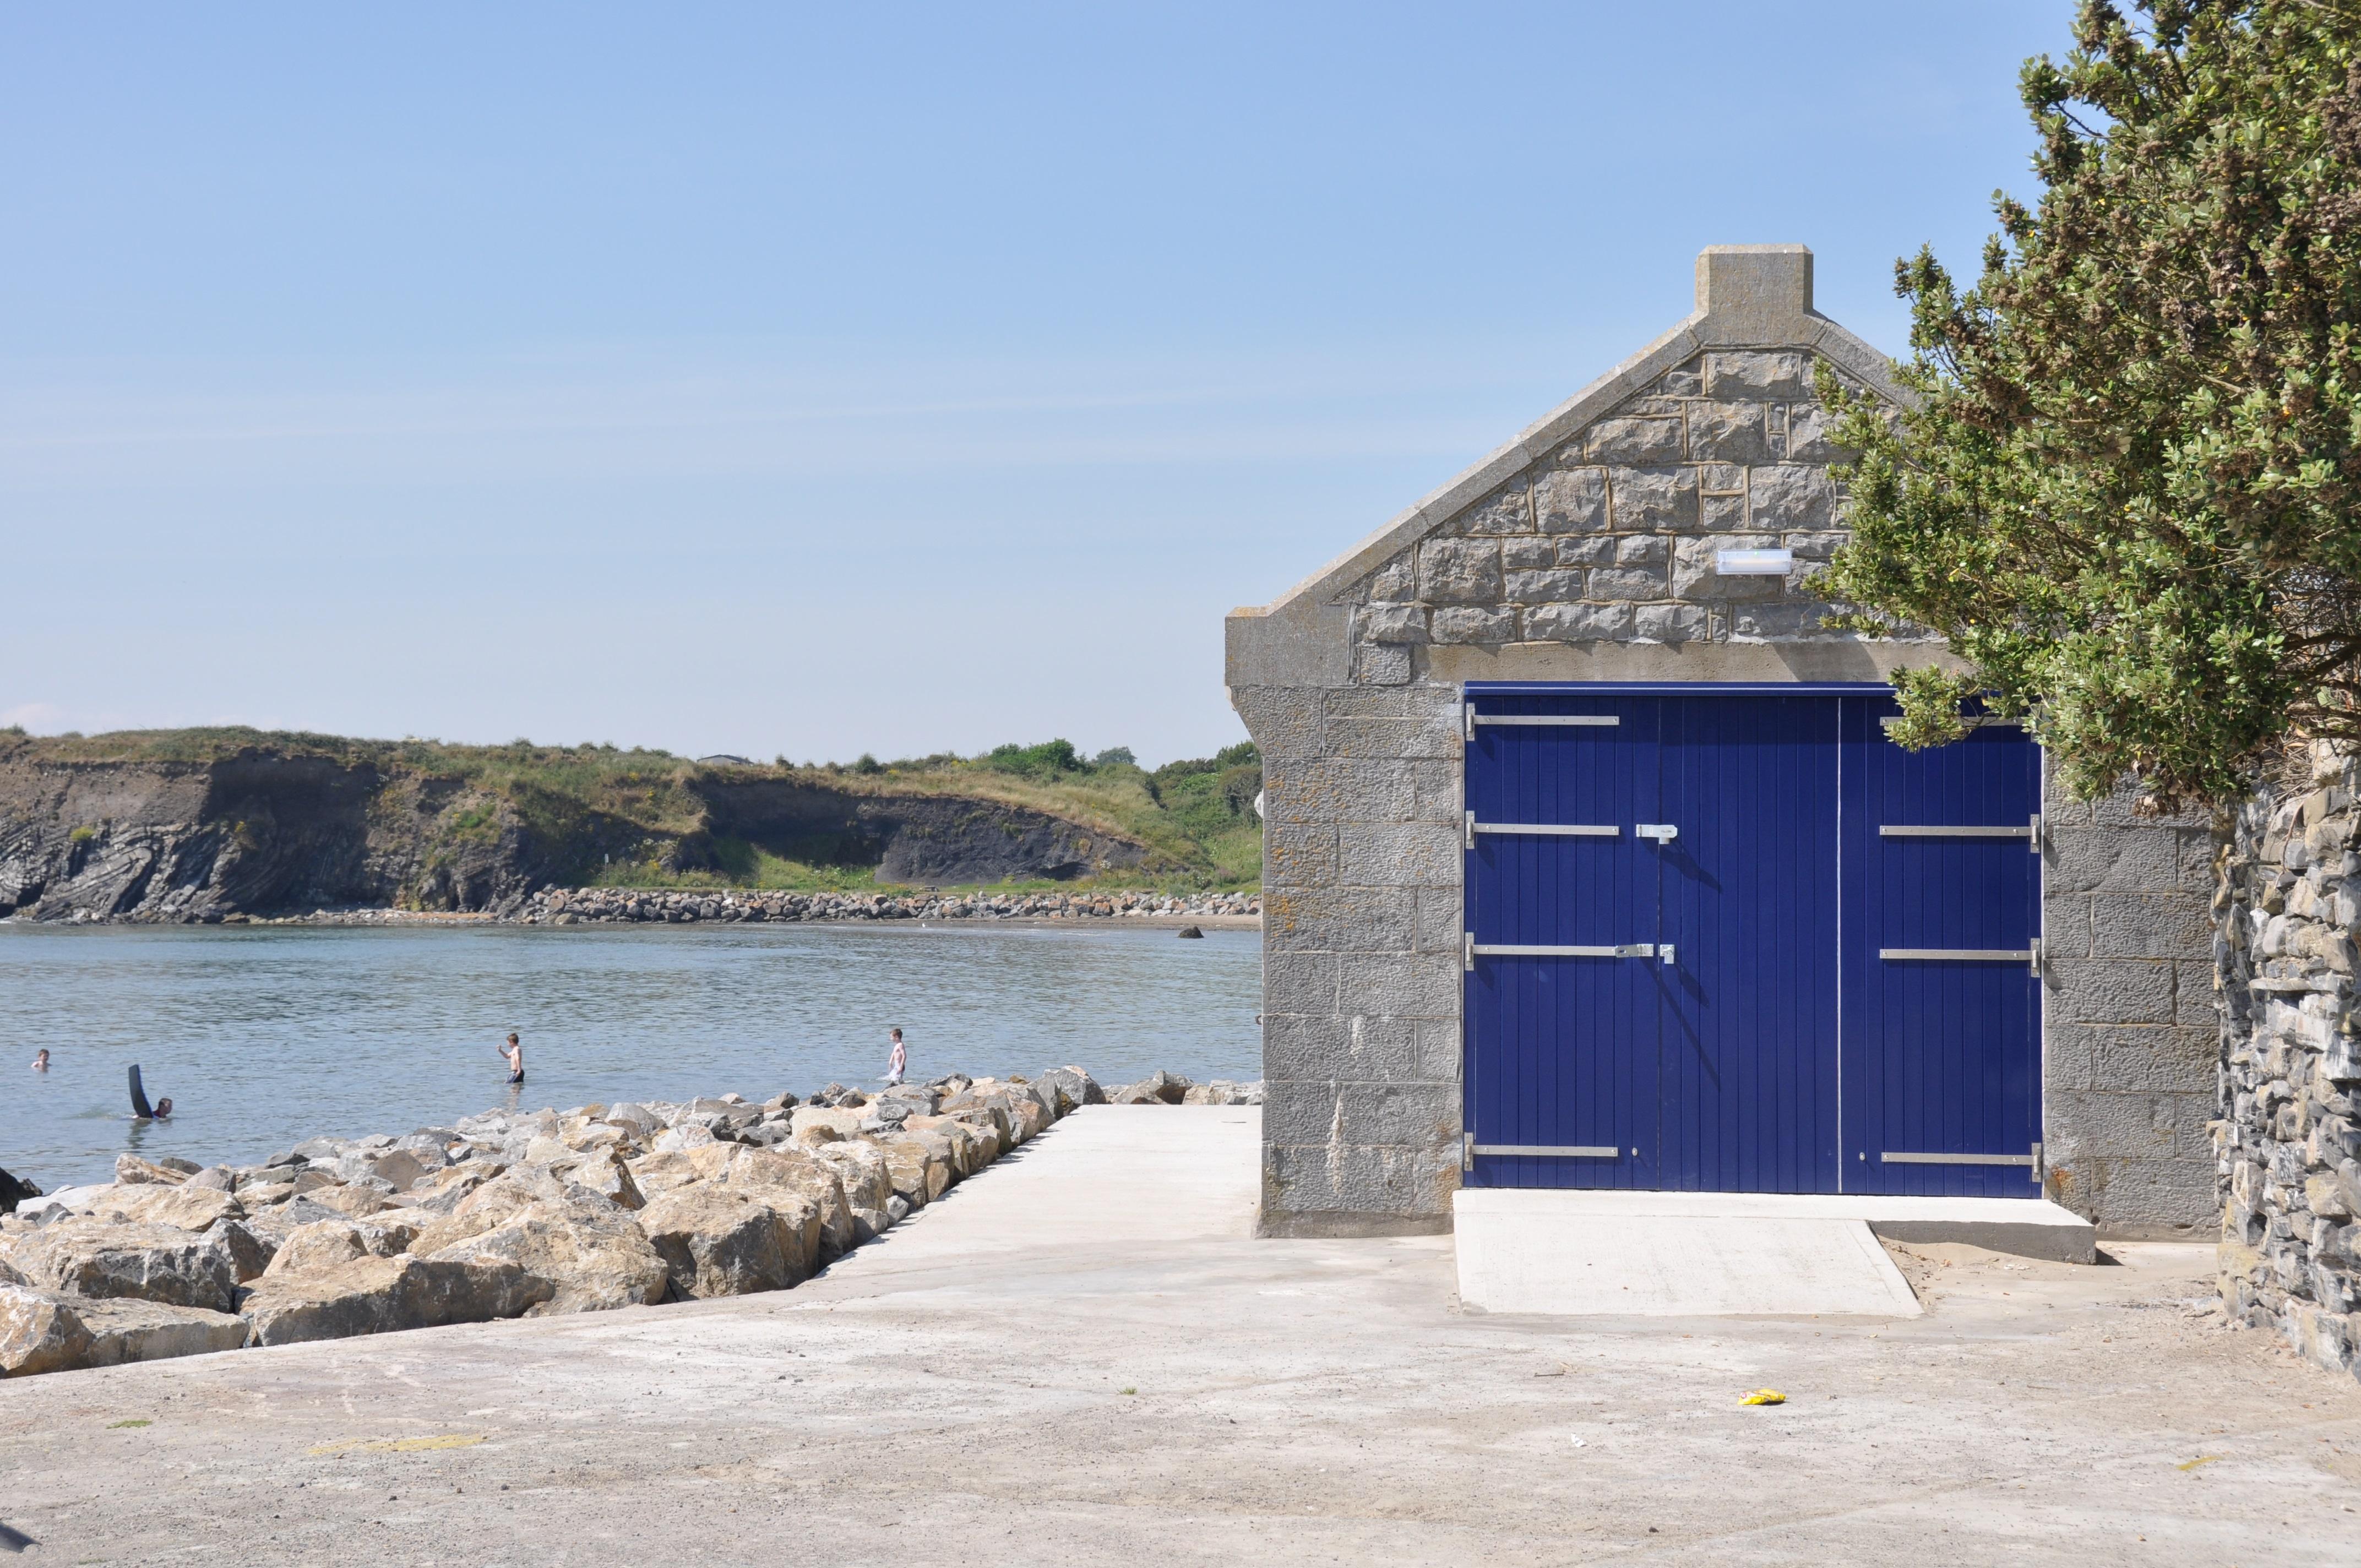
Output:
x=1765 y=1396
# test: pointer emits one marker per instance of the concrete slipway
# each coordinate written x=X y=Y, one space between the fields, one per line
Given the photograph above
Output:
x=1083 y=1357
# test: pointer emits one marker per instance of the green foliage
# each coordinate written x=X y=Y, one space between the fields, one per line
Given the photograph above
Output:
x=2129 y=494
x=81 y=834
x=1046 y=760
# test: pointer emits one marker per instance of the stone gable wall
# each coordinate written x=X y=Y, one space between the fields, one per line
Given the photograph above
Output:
x=1614 y=538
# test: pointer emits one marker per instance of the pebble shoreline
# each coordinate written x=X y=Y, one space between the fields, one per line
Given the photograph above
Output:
x=616 y=907
x=504 y=1215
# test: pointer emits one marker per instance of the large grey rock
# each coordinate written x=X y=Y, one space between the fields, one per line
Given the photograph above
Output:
x=861 y=1165
x=131 y=1168
x=1069 y=1088
x=717 y=1240
x=150 y=1263
x=382 y=1295
x=593 y=1259
x=185 y=1207
x=40 y=1332
x=124 y=1331
x=921 y=1164
x=1157 y=1089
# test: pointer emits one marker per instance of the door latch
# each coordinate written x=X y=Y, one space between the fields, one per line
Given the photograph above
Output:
x=1665 y=951
x=1662 y=832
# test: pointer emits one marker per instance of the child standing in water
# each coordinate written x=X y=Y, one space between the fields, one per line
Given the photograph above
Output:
x=897 y=1064
x=515 y=1052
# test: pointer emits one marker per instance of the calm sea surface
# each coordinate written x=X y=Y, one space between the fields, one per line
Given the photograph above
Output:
x=265 y=1038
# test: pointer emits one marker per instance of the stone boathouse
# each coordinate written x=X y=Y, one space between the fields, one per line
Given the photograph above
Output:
x=1587 y=865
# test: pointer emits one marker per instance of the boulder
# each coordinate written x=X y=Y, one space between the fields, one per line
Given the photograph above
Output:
x=250 y=1250
x=985 y=1108
x=1068 y=1088
x=400 y=1168
x=275 y=1222
x=605 y=1172
x=920 y=1164
x=150 y=1263
x=318 y=1246
x=352 y=1199
x=522 y=1188
x=717 y=1240
x=382 y=1295
x=445 y=1190
x=593 y=1259
x=125 y=1330
x=846 y=1122
x=816 y=1222
x=130 y=1168
x=675 y=1140
x=40 y=1332
x=868 y=1224
x=971 y=1148
x=655 y=1173
x=186 y=1207
x=859 y=1164
x=219 y=1178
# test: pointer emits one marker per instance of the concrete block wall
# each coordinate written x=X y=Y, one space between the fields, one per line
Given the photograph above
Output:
x=2129 y=1032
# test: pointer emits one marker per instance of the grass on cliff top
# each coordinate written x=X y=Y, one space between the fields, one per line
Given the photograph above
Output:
x=1194 y=816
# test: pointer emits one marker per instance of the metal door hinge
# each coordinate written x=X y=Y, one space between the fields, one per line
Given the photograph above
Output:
x=2034 y=953
x=1467 y=721
x=1665 y=951
x=2035 y=836
x=1467 y=952
x=1466 y=1151
x=1662 y=832
x=1469 y=838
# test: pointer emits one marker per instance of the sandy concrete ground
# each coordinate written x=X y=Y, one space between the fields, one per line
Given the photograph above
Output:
x=1081 y=1357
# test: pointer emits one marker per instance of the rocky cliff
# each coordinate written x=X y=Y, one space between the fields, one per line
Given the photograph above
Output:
x=261 y=828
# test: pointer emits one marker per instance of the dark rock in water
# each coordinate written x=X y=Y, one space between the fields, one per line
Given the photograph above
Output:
x=15 y=1190
x=1191 y=931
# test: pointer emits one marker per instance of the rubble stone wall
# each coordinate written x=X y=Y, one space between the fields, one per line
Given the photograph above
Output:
x=2289 y=1141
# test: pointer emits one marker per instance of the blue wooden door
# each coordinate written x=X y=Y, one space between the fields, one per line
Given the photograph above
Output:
x=1562 y=909
x=1749 y=1050
x=1739 y=941
x=1943 y=1000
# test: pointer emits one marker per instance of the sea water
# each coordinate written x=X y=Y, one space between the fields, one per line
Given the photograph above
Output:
x=266 y=1037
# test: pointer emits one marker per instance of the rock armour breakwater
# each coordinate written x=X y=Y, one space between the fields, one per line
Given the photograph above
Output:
x=504 y=1215
x=561 y=906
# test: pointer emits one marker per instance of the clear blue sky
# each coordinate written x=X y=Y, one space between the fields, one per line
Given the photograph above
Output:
x=827 y=379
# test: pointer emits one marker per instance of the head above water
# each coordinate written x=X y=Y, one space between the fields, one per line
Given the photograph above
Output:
x=896 y=1032
x=164 y=1109
x=41 y=1058
x=512 y=1039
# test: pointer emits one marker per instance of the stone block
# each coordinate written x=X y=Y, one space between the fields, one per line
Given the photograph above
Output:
x=1459 y=571
x=1460 y=624
x=1418 y=986
x=1508 y=509
x=1368 y=1116
x=2070 y=1054
x=1642 y=550
x=1630 y=582
x=2150 y=926
x=1394 y=738
x=1594 y=550
x=1721 y=479
x=1662 y=500
x=1570 y=500
x=1578 y=623
x=1773 y=377
x=1339 y=919
x=1410 y=854
x=1382 y=664
x=2101 y=1124
x=1684 y=382
x=1555 y=586
x=2110 y=860
x=1439 y=1049
x=1284 y=721
x=1349 y=702
x=1809 y=439
x=1298 y=854
x=1635 y=441
x=1811 y=546
x=1397 y=579
x=1337 y=789
x=2109 y=990
x=1729 y=433
x=1694 y=577
x=1528 y=555
x=2193 y=1004
x=1719 y=514
x=1316 y=1050
x=2171 y=1061
x=1299 y=983
x=1786 y=495
x=1325 y=1183
x=1392 y=622
x=1670 y=623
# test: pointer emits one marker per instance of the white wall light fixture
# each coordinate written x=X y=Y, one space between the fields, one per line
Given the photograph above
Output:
x=1753 y=562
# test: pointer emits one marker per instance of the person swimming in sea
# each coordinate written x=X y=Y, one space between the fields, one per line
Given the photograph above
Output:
x=42 y=1059
x=141 y=1110
x=514 y=1052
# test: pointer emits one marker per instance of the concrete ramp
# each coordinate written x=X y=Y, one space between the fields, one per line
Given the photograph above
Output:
x=1669 y=1254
